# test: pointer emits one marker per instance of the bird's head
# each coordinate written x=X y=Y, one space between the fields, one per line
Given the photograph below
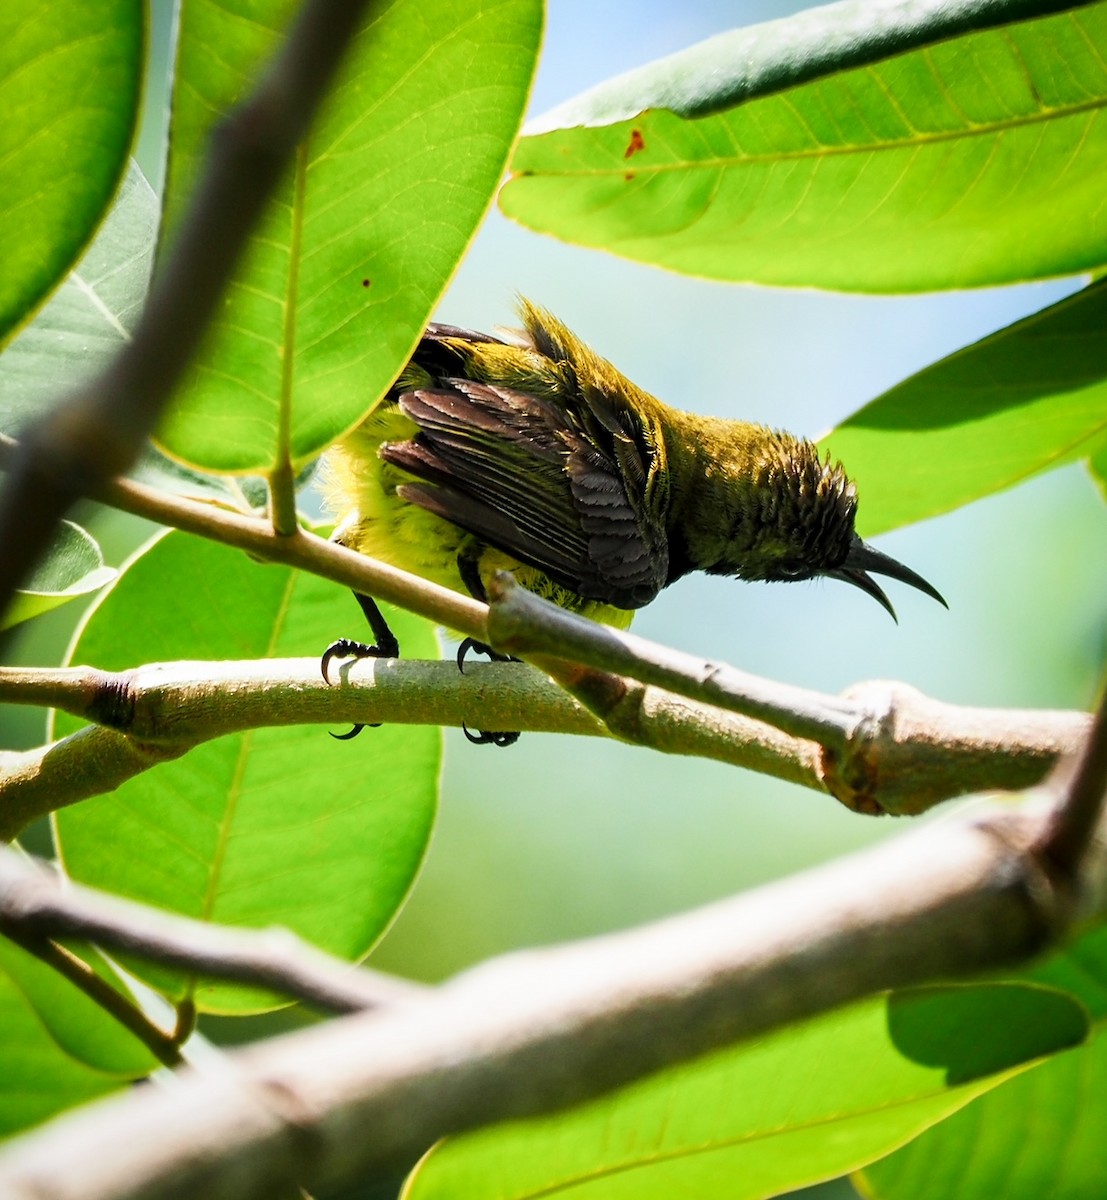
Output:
x=802 y=525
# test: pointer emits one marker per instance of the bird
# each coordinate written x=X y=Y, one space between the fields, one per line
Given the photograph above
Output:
x=526 y=451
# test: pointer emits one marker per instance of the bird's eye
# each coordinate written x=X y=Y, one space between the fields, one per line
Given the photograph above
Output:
x=793 y=571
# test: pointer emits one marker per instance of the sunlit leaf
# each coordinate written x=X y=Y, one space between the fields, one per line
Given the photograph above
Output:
x=1030 y=397
x=793 y=1108
x=346 y=267
x=940 y=162
x=70 y=81
x=1038 y=1134
x=72 y=567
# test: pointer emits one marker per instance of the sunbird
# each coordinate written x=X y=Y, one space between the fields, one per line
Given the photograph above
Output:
x=527 y=452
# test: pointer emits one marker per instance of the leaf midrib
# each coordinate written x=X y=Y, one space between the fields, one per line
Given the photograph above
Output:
x=991 y=129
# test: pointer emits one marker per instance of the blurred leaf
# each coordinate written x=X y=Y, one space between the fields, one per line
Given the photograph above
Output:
x=87 y=321
x=796 y=1107
x=39 y=1079
x=276 y=826
x=969 y=160
x=1030 y=397
x=78 y=1025
x=1097 y=465
x=1038 y=1134
x=73 y=567
x=347 y=265
x=70 y=81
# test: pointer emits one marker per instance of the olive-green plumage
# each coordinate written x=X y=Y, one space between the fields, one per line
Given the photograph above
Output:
x=536 y=455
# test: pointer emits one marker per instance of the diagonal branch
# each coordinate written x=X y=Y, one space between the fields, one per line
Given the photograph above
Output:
x=531 y=1033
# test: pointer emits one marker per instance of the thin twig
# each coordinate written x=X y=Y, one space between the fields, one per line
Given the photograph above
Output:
x=300 y=549
x=521 y=622
x=69 y=965
x=33 y=903
x=99 y=430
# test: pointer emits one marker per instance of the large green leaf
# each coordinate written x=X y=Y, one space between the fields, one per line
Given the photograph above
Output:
x=1030 y=397
x=73 y=567
x=87 y=321
x=796 y=1107
x=276 y=826
x=965 y=160
x=70 y=81
x=1039 y=1134
x=385 y=195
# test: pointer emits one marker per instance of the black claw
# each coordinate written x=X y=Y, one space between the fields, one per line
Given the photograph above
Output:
x=348 y=648
x=471 y=645
x=490 y=737
x=345 y=737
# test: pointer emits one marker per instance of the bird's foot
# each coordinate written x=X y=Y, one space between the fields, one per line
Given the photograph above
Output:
x=472 y=646
x=348 y=648
x=485 y=737
x=491 y=737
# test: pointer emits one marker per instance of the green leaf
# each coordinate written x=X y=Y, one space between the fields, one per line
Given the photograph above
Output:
x=965 y=160
x=1038 y=1134
x=70 y=81
x=78 y=1025
x=276 y=826
x=74 y=567
x=1097 y=465
x=39 y=1079
x=347 y=265
x=87 y=321
x=1030 y=397
x=796 y=1107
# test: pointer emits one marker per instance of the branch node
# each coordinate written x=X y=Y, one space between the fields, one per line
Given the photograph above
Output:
x=854 y=776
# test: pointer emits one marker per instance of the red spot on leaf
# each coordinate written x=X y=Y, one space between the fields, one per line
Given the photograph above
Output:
x=635 y=144
x=366 y=283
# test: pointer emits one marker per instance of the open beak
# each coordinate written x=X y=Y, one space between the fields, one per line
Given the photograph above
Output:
x=862 y=558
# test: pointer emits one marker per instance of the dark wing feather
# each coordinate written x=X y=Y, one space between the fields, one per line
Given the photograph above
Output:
x=542 y=482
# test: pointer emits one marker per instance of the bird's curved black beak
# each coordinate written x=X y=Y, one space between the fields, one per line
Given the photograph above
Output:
x=862 y=558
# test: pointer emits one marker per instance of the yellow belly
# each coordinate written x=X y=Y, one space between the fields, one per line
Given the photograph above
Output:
x=361 y=491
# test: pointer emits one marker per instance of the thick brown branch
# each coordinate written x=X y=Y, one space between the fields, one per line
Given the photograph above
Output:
x=98 y=431
x=534 y=1032
x=34 y=903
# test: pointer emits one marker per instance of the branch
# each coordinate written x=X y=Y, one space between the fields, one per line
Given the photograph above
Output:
x=907 y=752
x=874 y=760
x=99 y=430
x=35 y=903
x=300 y=549
x=534 y=1032
x=522 y=623
x=1068 y=840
